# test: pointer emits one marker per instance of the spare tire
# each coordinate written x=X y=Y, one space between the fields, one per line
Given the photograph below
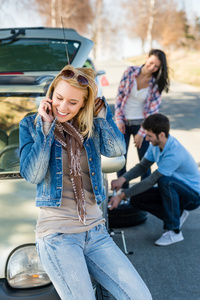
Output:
x=125 y=215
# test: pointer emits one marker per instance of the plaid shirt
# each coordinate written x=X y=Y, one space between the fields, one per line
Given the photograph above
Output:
x=152 y=102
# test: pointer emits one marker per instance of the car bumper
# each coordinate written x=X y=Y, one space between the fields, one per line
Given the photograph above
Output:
x=42 y=293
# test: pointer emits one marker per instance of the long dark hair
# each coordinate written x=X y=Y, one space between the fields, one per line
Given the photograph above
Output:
x=161 y=76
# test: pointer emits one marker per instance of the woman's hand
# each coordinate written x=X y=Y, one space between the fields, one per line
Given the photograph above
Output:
x=121 y=127
x=117 y=183
x=138 y=139
x=45 y=110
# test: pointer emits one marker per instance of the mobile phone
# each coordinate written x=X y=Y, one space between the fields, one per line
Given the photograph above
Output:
x=47 y=110
x=50 y=96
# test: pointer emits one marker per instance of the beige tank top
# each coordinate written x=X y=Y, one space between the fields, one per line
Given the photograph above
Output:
x=64 y=219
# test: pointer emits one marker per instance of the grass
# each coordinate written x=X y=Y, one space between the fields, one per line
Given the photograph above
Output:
x=184 y=66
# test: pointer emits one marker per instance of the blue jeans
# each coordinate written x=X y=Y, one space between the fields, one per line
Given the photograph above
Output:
x=167 y=201
x=69 y=258
x=133 y=130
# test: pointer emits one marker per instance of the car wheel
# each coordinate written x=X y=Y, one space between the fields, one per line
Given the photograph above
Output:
x=125 y=215
x=101 y=293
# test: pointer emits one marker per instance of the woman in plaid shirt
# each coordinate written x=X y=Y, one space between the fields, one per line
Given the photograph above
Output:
x=139 y=95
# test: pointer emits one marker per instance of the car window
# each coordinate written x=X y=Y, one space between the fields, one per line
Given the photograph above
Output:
x=13 y=110
x=36 y=54
x=88 y=64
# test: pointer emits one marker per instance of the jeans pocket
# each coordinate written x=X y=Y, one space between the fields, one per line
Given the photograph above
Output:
x=54 y=237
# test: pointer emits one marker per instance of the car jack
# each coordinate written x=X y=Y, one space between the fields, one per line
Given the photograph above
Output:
x=112 y=233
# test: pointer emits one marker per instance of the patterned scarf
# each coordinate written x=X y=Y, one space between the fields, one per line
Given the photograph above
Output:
x=72 y=141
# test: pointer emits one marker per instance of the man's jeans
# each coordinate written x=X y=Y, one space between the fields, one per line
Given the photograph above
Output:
x=69 y=258
x=167 y=201
x=133 y=130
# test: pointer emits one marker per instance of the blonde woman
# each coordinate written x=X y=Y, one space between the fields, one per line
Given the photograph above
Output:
x=60 y=150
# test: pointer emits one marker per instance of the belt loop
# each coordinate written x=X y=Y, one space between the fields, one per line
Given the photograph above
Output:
x=98 y=227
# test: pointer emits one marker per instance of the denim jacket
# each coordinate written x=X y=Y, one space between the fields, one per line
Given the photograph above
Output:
x=41 y=156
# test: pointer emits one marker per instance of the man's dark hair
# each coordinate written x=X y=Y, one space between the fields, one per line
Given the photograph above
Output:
x=157 y=123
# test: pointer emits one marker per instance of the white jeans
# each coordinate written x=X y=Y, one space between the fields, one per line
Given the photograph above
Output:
x=68 y=259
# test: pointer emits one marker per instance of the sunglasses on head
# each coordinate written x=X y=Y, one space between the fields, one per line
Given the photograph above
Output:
x=82 y=81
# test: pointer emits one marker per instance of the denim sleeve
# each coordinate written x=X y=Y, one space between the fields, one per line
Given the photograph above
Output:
x=107 y=134
x=35 y=149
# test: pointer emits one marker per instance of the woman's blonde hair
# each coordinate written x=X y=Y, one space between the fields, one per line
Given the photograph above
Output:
x=85 y=115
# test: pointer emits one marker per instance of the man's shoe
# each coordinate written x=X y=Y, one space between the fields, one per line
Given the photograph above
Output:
x=169 y=237
x=183 y=217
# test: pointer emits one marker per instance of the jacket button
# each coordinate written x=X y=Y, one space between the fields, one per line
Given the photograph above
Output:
x=95 y=188
x=93 y=173
x=90 y=159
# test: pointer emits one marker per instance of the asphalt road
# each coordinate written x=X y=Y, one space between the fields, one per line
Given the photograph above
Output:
x=172 y=272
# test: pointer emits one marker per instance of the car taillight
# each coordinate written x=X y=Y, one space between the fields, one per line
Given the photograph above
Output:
x=11 y=73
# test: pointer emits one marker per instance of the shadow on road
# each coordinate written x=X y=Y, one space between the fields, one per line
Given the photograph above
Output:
x=183 y=111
